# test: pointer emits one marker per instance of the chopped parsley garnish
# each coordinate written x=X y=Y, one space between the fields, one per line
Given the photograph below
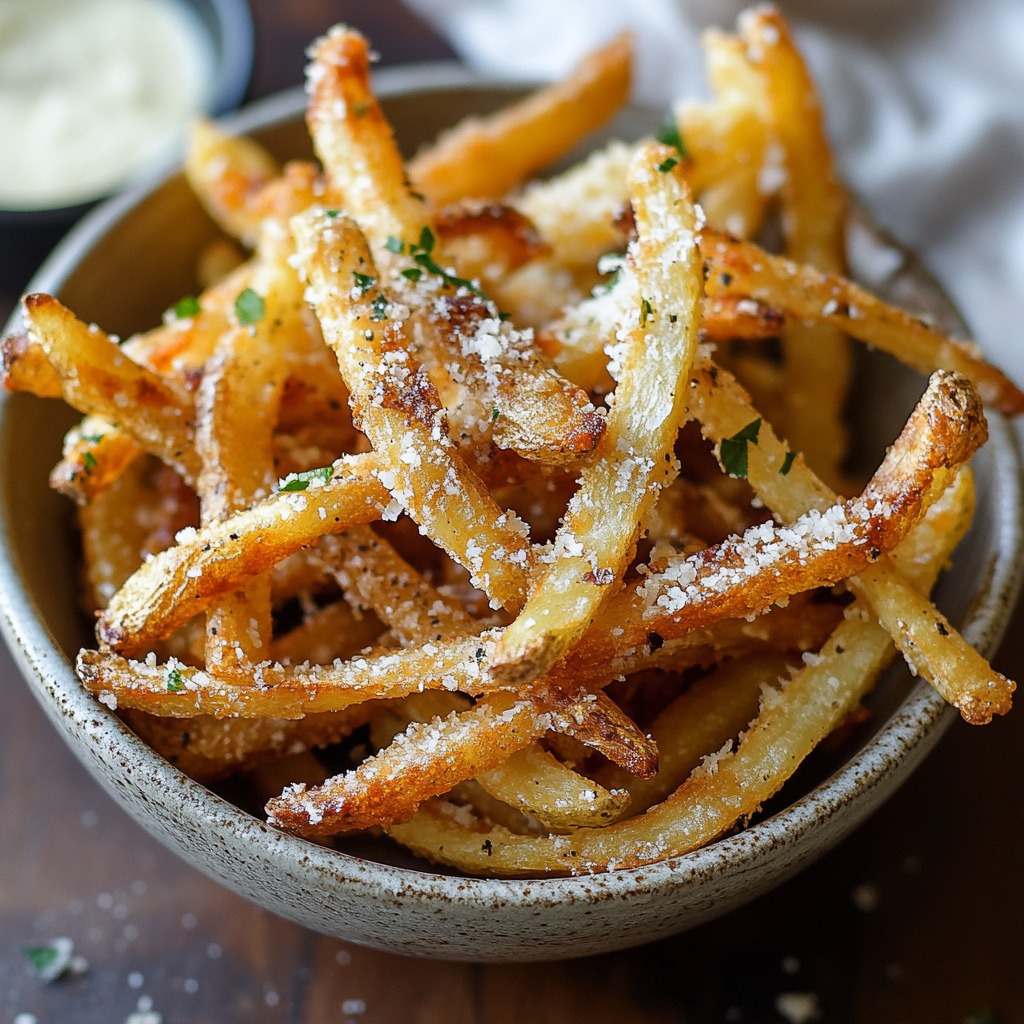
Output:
x=667 y=164
x=300 y=481
x=646 y=311
x=669 y=135
x=174 y=681
x=421 y=253
x=495 y=413
x=54 y=959
x=88 y=461
x=379 y=309
x=364 y=282
x=40 y=958
x=332 y=213
x=249 y=307
x=787 y=463
x=733 y=450
x=92 y=438
x=186 y=308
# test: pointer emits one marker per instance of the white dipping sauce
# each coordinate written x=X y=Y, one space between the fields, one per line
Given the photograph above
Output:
x=92 y=92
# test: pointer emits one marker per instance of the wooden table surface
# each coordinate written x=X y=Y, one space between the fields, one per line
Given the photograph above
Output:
x=918 y=918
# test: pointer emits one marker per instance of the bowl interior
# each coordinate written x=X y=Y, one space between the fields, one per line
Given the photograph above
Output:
x=128 y=262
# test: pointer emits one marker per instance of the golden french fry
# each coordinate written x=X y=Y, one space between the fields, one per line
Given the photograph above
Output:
x=808 y=294
x=226 y=173
x=97 y=378
x=399 y=411
x=816 y=358
x=488 y=157
x=634 y=461
x=178 y=583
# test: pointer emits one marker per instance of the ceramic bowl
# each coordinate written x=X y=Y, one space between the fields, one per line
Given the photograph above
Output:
x=121 y=268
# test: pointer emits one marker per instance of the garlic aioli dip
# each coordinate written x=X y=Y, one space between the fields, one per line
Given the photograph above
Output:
x=92 y=92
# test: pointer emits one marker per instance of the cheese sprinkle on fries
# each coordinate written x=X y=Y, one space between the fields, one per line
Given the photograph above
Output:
x=512 y=517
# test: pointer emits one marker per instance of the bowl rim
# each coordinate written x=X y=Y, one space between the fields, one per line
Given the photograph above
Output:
x=920 y=720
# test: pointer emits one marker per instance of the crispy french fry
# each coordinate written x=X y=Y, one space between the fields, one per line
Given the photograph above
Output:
x=227 y=172
x=97 y=378
x=816 y=358
x=808 y=294
x=178 y=583
x=399 y=411
x=635 y=459
x=488 y=157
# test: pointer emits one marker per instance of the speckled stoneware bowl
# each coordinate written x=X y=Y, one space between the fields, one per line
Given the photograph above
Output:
x=127 y=263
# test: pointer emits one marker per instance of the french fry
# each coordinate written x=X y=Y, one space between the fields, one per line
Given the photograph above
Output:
x=808 y=294
x=732 y=783
x=634 y=461
x=975 y=688
x=816 y=358
x=488 y=157
x=96 y=453
x=399 y=411
x=97 y=378
x=227 y=173
x=170 y=588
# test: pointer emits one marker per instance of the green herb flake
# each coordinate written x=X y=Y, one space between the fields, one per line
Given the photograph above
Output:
x=669 y=135
x=186 y=308
x=249 y=307
x=787 y=463
x=175 y=684
x=92 y=438
x=300 y=481
x=88 y=461
x=379 y=309
x=53 y=959
x=426 y=242
x=666 y=165
x=733 y=450
x=495 y=413
x=364 y=282
x=422 y=255
x=646 y=311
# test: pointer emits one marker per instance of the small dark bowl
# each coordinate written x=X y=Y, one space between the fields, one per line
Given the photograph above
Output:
x=228 y=23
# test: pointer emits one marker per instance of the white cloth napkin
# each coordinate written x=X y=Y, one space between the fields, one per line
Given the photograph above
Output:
x=924 y=98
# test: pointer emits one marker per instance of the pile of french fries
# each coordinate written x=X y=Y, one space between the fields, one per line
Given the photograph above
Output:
x=510 y=517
